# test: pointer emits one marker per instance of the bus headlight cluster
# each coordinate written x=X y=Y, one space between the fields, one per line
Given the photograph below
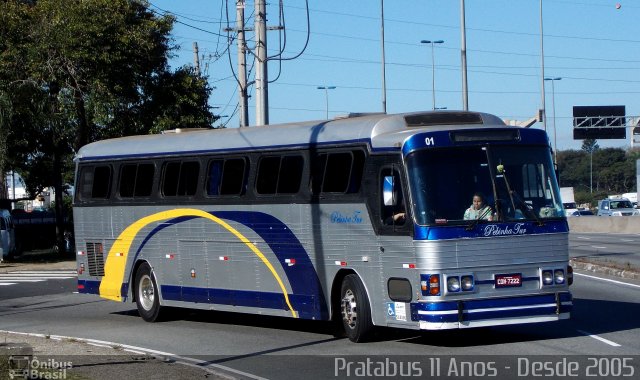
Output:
x=553 y=277
x=430 y=284
x=463 y=283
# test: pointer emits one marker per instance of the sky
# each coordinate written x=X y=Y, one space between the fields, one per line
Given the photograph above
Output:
x=593 y=45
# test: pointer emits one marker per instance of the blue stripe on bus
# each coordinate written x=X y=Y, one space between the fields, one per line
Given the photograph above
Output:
x=245 y=298
x=88 y=287
x=502 y=229
x=529 y=306
x=302 y=276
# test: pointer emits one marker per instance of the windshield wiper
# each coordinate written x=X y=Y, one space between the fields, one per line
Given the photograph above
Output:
x=525 y=207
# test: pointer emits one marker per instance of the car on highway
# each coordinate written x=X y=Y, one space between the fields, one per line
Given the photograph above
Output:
x=616 y=207
x=580 y=213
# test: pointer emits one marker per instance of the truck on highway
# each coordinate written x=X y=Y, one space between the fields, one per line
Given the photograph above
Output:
x=568 y=200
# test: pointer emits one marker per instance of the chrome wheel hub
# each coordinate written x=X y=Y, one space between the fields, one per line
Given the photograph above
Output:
x=146 y=292
x=349 y=309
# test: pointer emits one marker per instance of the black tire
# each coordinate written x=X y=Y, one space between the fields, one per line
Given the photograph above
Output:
x=355 y=310
x=147 y=294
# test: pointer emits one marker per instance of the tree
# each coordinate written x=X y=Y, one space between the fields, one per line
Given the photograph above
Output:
x=73 y=71
x=590 y=145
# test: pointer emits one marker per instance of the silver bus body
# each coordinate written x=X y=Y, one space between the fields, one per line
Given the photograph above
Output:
x=267 y=247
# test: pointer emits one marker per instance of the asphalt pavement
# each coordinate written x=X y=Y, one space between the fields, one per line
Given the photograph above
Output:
x=70 y=357
x=597 y=253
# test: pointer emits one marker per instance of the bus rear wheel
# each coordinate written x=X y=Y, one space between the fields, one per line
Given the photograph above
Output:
x=147 y=294
x=355 y=309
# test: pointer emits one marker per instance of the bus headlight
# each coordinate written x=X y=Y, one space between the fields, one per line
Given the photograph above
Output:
x=547 y=277
x=466 y=282
x=558 y=276
x=453 y=284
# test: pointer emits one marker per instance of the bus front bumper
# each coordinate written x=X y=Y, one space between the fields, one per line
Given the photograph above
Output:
x=492 y=312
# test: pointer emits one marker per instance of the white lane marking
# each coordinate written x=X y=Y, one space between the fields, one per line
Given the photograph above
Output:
x=583 y=237
x=27 y=275
x=31 y=279
x=607 y=341
x=627 y=240
x=596 y=247
x=45 y=271
x=608 y=280
x=18 y=277
x=202 y=364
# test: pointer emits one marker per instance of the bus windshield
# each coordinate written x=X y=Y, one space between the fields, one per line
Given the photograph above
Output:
x=481 y=184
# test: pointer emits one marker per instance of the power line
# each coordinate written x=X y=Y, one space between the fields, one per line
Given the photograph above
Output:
x=456 y=27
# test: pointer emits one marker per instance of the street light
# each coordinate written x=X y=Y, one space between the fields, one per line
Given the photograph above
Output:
x=553 y=102
x=326 y=96
x=433 y=68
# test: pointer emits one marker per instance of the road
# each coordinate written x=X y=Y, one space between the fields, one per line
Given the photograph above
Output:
x=604 y=322
x=606 y=248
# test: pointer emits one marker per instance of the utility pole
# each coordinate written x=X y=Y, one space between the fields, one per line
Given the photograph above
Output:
x=196 y=59
x=242 y=66
x=262 y=78
x=463 y=52
x=384 y=76
x=542 y=92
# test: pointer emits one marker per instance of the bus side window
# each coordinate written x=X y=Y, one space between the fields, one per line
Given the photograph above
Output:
x=95 y=183
x=234 y=177
x=136 y=180
x=337 y=173
x=279 y=175
x=227 y=177
x=180 y=178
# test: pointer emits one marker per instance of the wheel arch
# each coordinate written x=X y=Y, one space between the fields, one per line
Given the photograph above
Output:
x=132 y=278
x=336 y=288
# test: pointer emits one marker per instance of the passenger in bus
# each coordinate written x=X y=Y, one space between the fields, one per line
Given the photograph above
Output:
x=478 y=209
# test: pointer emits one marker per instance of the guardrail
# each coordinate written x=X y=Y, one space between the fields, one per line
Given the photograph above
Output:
x=605 y=224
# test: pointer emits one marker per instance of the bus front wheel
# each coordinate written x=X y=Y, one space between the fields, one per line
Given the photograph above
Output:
x=355 y=309
x=147 y=295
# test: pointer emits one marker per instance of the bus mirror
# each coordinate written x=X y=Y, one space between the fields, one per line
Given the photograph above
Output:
x=388 y=191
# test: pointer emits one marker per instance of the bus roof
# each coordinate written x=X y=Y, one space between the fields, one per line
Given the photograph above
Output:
x=379 y=131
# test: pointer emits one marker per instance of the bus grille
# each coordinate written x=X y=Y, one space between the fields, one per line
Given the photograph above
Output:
x=95 y=258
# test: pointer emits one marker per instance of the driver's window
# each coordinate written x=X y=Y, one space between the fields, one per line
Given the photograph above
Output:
x=393 y=202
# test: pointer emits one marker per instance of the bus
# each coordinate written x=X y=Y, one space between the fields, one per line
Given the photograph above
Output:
x=358 y=220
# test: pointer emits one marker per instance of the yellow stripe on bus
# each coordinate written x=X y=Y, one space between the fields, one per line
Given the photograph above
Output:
x=116 y=262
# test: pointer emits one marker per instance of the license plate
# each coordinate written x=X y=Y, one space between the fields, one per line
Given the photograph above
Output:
x=508 y=280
